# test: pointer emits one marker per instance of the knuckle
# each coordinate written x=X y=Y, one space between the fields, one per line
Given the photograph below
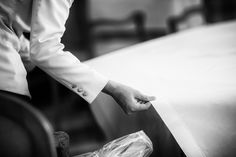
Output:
x=132 y=109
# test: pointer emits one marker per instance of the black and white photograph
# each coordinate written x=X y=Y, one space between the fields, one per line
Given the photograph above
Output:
x=117 y=78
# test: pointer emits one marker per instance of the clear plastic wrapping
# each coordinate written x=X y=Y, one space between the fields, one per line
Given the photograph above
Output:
x=132 y=145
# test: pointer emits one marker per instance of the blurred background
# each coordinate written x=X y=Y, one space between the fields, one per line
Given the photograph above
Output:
x=98 y=27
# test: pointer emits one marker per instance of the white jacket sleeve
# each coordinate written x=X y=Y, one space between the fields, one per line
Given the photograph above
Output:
x=47 y=28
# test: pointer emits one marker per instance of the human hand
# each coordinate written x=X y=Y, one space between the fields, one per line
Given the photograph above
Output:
x=129 y=99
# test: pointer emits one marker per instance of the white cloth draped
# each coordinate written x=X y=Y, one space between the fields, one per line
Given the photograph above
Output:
x=193 y=76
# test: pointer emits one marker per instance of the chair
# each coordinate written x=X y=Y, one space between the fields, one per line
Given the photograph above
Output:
x=211 y=11
x=174 y=22
x=24 y=131
x=108 y=34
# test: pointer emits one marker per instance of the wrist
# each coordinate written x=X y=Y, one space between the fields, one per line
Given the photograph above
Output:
x=109 y=88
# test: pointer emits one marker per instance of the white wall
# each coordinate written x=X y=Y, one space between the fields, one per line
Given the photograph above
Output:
x=157 y=11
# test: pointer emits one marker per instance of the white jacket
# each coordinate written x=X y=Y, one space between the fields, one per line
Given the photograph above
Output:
x=46 y=51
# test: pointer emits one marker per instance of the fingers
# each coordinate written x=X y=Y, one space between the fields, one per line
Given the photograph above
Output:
x=146 y=98
x=151 y=98
x=141 y=102
x=144 y=105
x=135 y=106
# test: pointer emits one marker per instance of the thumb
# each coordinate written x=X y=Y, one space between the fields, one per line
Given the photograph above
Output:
x=144 y=106
x=143 y=97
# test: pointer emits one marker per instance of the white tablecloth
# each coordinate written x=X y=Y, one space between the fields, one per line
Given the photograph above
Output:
x=193 y=76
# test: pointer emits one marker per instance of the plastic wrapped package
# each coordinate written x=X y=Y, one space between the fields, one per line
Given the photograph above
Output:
x=132 y=145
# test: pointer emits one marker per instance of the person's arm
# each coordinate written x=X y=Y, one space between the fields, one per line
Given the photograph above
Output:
x=47 y=28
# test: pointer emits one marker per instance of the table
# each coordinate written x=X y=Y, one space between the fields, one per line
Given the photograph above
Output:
x=193 y=76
